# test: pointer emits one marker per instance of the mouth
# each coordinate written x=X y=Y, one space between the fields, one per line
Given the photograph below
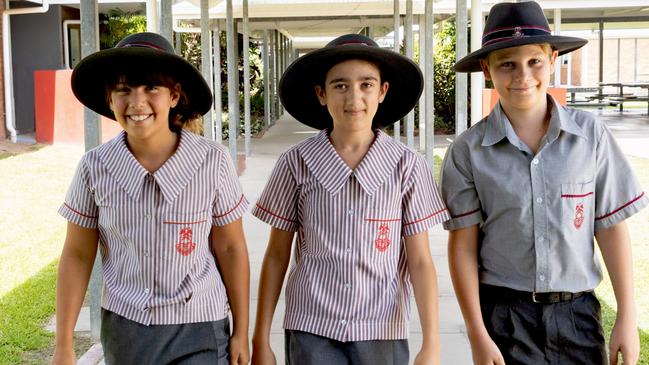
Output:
x=522 y=89
x=138 y=117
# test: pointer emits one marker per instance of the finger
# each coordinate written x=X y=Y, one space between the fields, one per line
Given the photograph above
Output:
x=629 y=358
x=499 y=361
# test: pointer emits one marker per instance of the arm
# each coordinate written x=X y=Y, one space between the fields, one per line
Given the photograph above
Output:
x=229 y=247
x=424 y=284
x=615 y=244
x=271 y=279
x=75 y=266
x=463 y=265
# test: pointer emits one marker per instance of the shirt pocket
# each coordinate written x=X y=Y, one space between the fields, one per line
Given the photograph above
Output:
x=186 y=234
x=383 y=228
x=577 y=209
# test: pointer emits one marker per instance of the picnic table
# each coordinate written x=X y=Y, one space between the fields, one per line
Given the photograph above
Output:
x=595 y=99
x=621 y=97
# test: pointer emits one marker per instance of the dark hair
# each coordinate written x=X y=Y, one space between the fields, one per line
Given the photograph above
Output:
x=180 y=116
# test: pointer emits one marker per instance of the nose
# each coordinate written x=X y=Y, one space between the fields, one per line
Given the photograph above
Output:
x=138 y=96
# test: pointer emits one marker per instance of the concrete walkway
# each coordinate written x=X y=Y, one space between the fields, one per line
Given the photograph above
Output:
x=265 y=151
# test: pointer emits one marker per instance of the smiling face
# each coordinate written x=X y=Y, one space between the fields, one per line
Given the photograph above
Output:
x=521 y=75
x=352 y=93
x=143 y=110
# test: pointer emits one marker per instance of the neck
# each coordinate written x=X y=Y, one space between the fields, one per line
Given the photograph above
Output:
x=152 y=153
x=536 y=118
x=352 y=140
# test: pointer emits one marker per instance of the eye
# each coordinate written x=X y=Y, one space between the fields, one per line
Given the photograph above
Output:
x=367 y=84
x=507 y=64
x=152 y=87
x=340 y=86
x=536 y=61
x=121 y=89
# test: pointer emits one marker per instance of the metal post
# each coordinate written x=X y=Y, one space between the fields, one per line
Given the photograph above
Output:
x=233 y=93
x=218 y=107
x=166 y=25
x=397 y=42
x=92 y=139
x=601 y=52
x=423 y=55
x=266 y=60
x=477 y=79
x=276 y=75
x=246 y=79
x=410 y=53
x=206 y=63
x=430 y=84
x=179 y=44
x=461 y=79
x=557 y=31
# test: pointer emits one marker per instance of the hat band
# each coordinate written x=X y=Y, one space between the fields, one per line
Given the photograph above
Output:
x=505 y=34
x=142 y=45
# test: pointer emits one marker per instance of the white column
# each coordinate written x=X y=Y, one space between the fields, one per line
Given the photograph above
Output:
x=410 y=53
x=557 y=64
x=397 y=42
x=429 y=84
x=246 y=79
x=206 y=63
x=233 y=90
x=152 y=20
x=461 y=78
x=477 y=78
x=423 y=55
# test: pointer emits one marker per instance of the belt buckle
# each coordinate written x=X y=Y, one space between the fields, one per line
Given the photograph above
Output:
x=534 y=297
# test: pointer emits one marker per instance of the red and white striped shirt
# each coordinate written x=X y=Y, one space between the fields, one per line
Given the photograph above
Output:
x=349 y=281
x=154 y=228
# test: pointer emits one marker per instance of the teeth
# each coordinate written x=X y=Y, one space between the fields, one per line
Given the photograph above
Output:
x=139 y=117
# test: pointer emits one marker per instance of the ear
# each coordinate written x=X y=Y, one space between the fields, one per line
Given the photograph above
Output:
x=485 y=69
x=553 y=59
x=384 y=90
x=321 y=94
x=175 y=95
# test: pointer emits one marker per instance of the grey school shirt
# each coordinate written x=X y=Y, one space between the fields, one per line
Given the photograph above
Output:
x=538 y=214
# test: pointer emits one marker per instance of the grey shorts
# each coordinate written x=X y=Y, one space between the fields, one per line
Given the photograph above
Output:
x=126 y=342
x=303 y=348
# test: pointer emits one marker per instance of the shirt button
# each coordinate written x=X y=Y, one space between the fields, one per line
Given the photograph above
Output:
x=535 y=161
x=348 y=285
x=539 y=200
x=146 y=291
x=146 y=253
x=542 y=277
x=147 y=215
x=343 y=322
x=541 y=239
x=350 y=212
x=348 y=250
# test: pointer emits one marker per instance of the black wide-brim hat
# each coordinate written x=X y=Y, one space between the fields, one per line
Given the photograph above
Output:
x=297 y=85
x=516 y=24
x=140 y=52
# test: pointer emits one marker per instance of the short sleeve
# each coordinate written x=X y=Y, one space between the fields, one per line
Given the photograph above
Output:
x=277 y=204
x=422 y=205
x=230 y=203
x=458 y=188
x=618 y=193
x=79 y=206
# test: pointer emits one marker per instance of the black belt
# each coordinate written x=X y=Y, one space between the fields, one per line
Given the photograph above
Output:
x=502 y=294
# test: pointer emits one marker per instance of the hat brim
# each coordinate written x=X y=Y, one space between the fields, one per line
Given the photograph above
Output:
x=297 y=85
x=563 y=44
x=90 y=76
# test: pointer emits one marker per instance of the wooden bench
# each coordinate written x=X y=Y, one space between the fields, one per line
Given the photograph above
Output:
x=630 y=98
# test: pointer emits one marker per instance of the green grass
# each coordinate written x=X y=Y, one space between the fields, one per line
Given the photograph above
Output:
x=23 y=312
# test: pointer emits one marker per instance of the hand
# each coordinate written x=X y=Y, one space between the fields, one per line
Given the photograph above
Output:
x=485 y=351
x=239 y=351
x=427 y=357
x=64 y=356
x=624 y=340
x=263 y=355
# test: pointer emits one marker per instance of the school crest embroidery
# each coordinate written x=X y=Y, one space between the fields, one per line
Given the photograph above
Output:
x=185 y=246
x=518 y=32
x=579 y=215
x=382 y=242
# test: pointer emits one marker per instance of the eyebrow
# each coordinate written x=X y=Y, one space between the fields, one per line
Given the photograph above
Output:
x=342 y=79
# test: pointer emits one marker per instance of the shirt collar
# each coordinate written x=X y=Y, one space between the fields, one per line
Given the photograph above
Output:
x=499 y=127
x=332 y=172
x=171 y=177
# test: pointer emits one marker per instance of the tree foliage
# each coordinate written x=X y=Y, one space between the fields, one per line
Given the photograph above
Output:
x=444 y=57
x=117 y=24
